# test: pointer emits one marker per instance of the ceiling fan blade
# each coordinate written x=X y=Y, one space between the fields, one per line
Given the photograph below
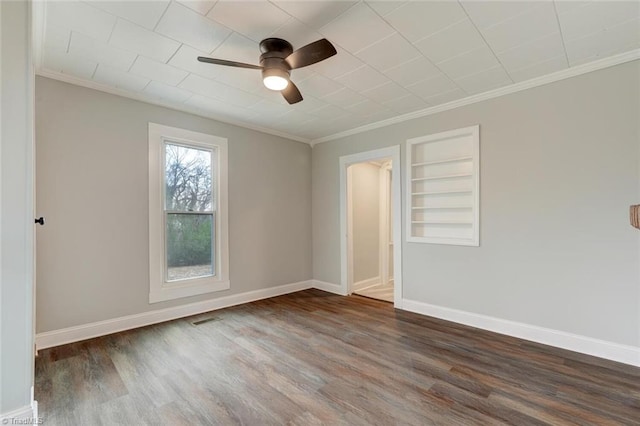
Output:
x=291 y=93
x=228 y=63
x=311 y=53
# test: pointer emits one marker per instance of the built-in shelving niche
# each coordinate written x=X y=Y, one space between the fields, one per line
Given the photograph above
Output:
x=443 y=181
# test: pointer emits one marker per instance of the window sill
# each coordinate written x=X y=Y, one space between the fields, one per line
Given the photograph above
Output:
x=178 y=290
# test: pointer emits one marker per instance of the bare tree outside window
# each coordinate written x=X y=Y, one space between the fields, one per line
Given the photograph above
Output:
x=190 y=212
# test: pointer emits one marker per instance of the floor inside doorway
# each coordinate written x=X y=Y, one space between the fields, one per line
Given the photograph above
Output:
x=378 y=291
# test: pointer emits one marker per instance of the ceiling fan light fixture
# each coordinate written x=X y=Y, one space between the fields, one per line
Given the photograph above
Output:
x=275 y=79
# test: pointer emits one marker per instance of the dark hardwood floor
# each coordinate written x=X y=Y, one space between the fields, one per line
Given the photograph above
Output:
x=313 y=358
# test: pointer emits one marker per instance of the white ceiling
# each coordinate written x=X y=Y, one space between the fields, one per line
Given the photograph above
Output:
x=394 y=57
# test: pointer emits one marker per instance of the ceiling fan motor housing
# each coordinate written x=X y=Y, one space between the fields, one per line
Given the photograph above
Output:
x=275 y=51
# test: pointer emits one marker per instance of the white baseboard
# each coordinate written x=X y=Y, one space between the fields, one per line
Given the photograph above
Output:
x=369 y=282
x=27 y=415
x=573 y=342
x=329 y=287
x=49 y=339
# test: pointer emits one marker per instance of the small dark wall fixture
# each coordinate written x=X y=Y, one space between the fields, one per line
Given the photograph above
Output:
x=634 y=213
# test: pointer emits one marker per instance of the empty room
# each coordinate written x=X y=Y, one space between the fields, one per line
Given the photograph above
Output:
x=301 y=212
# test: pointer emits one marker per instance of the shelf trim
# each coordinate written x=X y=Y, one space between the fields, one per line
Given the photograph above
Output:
x=459 y=175
x=442 y=208
x=448 y=160
x=440 y=222
x=455 y=191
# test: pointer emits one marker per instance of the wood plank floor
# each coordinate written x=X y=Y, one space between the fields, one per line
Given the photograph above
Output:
x=378 y=291
x=313 y=358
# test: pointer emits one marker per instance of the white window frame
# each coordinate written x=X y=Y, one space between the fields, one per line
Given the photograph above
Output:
x=159 y=288
x=473 y=155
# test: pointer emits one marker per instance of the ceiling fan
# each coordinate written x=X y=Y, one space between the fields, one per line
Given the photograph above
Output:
x=278 y=59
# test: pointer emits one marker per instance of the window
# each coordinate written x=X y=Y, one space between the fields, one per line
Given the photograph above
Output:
x=444 y=188
x=188 y=233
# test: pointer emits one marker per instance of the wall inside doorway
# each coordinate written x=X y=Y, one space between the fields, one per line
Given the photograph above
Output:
x=365 y=204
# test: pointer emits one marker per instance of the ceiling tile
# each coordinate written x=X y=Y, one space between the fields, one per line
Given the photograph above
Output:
x=215 y=107
x=183 y=24
x=432 y=86
x=80 y=17
x=371 y=28
x=277 y=107
x=158 y=71
x=454 y=40
x=133 y=37
x=443 y=98
x=485 y=80
x=216 y=90
x=120 y=79
x=384 y=114
x=413 y=71
x=367 y=108
x=547 y=67
x=488 y=13
x=296 y=33
x=386 y=92
x=615 y=39
x=57 y=38
x=167 y=93
x=469 y=63
x=383 y=7
x=416 y=20
x=563 y=6
x=293 y=118
x=318 y=85
x=201 y=6
x=60 y=61
x=186 y=59
x=337 y=65
x=533 y=24
x=254 y=19
x=363 y=78
x=532 y=53
x=315 y=13
x=328 y=112
x=99 y=51
x=344 y=98
x=238 y=48
x=406 y=104
x=143 y=13
x=596 y=16
x=389 y=52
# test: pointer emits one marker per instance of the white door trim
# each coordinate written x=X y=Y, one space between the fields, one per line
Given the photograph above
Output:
x=392 y=152
x=385 y=237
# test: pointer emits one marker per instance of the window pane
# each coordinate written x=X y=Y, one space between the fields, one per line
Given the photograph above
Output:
x=188 y=179
x=189 y=246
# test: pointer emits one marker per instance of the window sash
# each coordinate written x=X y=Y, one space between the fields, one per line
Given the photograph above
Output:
x=214 y=245
x=214 y=169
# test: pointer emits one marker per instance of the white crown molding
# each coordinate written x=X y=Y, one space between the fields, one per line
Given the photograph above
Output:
x=151 y=100
x=63 y=336
x=575 y=71
x=560 y=339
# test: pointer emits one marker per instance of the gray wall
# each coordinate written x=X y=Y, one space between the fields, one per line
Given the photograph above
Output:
x=559 y=169
x=365 y=199
x=92 y=186
x=16 y=209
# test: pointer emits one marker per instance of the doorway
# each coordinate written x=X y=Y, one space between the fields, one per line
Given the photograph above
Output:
x=370 y=224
